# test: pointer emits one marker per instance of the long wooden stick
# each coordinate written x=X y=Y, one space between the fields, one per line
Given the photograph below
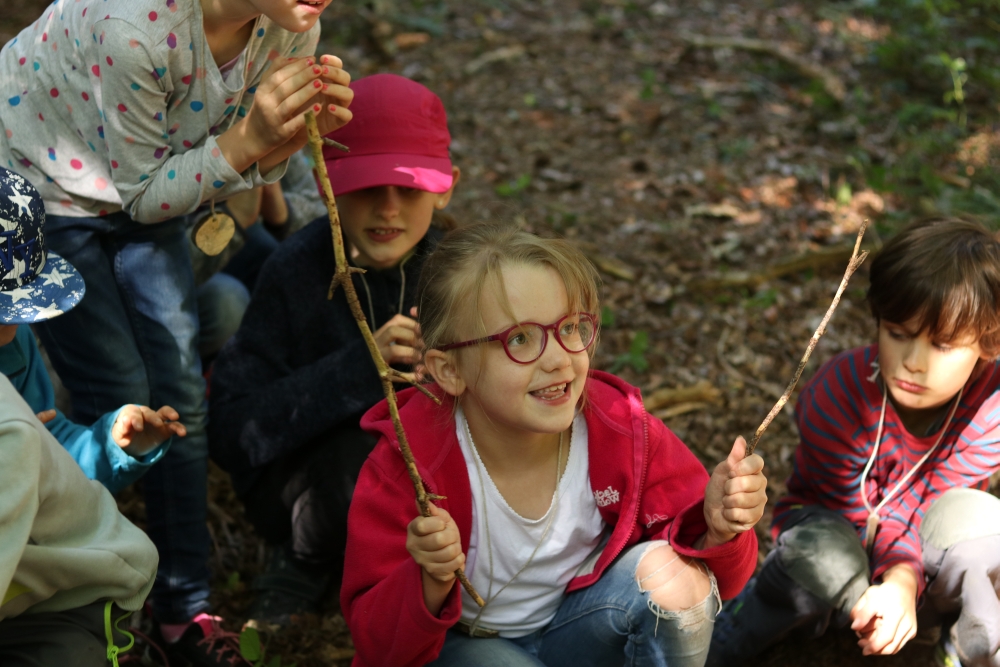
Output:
x=856 y=261
x=387 y=374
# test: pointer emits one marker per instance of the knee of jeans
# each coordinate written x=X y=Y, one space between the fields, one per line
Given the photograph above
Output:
x=824 y=557
x=960 y=515
x=675 y=587
x=972 y=640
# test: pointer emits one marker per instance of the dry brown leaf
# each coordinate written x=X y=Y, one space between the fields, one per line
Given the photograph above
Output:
x=410 y=40
x=702 y=391
x=712 y=211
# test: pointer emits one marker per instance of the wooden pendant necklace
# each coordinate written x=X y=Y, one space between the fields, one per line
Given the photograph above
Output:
x=213 y=233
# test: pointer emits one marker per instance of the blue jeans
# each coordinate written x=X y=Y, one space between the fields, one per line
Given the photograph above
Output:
x=134 y=339
x=608 y=623
x=222 y=300
x=246 y=264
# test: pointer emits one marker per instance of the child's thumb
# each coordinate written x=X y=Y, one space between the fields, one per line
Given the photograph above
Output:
x=737 y=453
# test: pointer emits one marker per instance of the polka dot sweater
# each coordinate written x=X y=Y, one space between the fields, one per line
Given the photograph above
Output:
x=110 y=105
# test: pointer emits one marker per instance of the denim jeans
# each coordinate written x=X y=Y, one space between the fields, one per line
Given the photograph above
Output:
x=608 y=623
x=222 y=300
x=818 y=571
x=246 y=264
x=134 y=339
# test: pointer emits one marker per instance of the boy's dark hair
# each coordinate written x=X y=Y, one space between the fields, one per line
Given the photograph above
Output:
x=943 y=275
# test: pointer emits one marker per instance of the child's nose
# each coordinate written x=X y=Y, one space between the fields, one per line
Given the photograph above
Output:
x=555 y=355
x=915 y=357
x=389 y=202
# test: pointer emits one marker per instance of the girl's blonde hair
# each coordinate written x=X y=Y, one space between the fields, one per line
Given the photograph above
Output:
x=472 y=257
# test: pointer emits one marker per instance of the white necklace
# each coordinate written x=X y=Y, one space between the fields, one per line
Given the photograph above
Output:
x=871 y=524
x=553 y=508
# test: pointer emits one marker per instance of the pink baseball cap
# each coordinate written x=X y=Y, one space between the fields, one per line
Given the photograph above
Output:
x=398 y=136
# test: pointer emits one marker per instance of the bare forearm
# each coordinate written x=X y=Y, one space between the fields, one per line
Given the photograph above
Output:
x=902 y=575
x=274 y=208
x=239 y=147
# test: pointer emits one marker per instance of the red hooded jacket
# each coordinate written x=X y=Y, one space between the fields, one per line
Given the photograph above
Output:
x=660 y=489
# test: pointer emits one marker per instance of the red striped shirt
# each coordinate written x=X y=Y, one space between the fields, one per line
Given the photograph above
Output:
x=838 y=414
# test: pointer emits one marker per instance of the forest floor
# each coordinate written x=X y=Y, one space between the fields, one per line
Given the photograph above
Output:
x=690 y=175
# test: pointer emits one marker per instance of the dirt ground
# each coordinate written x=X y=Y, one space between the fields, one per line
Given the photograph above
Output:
x=688 y=175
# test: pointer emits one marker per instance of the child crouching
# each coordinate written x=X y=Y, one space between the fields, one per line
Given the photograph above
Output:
x=588 y=526
x=886 y=504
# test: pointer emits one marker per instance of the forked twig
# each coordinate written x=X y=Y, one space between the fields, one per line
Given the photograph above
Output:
x=856 y=261
x=342 y=278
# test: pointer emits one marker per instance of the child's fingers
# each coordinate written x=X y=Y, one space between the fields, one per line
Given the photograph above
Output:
x=281 y=76
x=45 y=416
x=331 y=61
x=422 y=526
x=751 y=465
x=737 y=452
x=336 y=94
x=333 y=118
x=862 y=613
x=402 y=354
x=167 y=413
x=177 y=429
x=745 y=484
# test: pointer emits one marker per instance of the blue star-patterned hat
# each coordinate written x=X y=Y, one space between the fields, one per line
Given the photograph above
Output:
x=34 y=285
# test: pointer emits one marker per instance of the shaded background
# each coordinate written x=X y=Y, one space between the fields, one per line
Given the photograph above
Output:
x=714 y=184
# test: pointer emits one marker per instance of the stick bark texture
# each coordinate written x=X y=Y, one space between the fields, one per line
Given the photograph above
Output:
x=857 y=259
x=387 y=374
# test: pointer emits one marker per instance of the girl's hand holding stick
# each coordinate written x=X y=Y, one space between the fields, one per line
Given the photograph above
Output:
x=735 y=496
x=274 y=126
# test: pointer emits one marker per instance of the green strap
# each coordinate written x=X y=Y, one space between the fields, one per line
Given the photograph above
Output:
x=113 y=650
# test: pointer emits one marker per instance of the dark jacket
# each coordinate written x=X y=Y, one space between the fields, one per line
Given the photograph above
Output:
x=298 y=367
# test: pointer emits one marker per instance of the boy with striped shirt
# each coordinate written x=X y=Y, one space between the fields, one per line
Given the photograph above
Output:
x=886 y=508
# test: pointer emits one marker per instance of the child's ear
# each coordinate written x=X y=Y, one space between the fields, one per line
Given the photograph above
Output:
x=442 y=200
x=441 y=366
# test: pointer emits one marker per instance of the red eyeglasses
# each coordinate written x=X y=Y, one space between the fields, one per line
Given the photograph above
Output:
x=525 y=341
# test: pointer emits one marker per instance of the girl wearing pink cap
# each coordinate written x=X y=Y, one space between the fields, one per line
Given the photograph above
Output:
x=125 y=113
x=289 y=389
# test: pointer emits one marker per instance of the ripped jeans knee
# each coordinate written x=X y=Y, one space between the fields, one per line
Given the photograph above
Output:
x=679 y=590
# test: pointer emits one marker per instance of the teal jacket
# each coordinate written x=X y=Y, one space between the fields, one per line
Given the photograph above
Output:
x=92 y=447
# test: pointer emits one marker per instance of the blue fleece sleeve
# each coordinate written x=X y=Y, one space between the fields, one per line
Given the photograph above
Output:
x=99 y=455
x=92 y=447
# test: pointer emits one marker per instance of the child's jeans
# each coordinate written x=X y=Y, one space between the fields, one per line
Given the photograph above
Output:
x=133 y=338
x=819 y=569
x=608 y=623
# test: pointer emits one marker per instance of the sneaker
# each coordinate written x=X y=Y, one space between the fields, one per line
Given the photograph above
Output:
x=745 y=627
x=286 y=590
x=206 y=644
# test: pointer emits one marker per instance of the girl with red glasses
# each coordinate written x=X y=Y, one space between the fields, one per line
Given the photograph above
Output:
x=592 y=533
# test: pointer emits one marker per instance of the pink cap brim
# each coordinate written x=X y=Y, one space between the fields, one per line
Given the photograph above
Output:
x=351 y=173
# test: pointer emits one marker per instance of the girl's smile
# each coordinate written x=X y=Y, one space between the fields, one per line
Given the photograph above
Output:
x=519 y=405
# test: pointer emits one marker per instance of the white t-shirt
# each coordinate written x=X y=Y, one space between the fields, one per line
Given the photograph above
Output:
x=531 y=601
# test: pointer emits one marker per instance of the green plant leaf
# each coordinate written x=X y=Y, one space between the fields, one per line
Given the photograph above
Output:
x=250 y=647
x=607 y=317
